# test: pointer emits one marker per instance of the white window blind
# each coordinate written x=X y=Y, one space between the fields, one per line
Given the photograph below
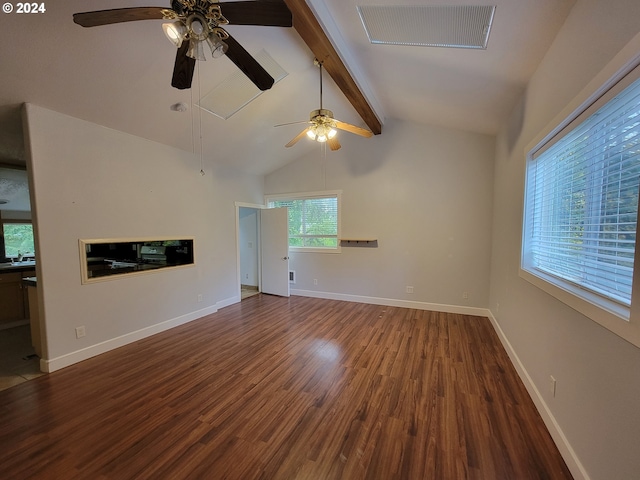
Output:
x=582 y=200
x=313 y=220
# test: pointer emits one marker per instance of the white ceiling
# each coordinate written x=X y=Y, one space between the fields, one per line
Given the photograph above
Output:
x=119 y=76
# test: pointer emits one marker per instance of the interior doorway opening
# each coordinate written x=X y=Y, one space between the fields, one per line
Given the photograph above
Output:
x=249 y=250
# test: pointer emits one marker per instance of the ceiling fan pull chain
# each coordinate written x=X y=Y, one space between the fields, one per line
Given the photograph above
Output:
x=200 y=120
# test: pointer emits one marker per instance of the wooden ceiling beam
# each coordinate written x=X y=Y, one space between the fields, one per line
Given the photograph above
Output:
x=310 y=30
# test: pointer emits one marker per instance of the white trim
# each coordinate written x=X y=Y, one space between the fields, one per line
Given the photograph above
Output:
x=227 y=301
x=301 y=195
x=53 y=364
x=568 y=454
x=436 y=307
x=611 y=316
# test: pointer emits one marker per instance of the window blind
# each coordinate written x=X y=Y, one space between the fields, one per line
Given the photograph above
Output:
x=313 y=221
x=582 y=200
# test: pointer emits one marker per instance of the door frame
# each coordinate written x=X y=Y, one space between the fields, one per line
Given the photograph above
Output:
x=255 y=206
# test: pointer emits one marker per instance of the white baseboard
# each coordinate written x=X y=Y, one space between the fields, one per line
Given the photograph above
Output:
x=436 y=307
x=568 y=454
x=228 y=301
x=53 y=364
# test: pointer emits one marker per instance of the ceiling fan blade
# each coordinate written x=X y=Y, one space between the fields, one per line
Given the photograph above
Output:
x=347 y=127
x=297 y=138
x=249 y=65
x=268 y=13
x=183 y=68
x=118 y=15
x=334 y=143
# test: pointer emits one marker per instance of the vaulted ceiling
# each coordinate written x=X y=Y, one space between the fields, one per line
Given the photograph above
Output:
x=119 y=76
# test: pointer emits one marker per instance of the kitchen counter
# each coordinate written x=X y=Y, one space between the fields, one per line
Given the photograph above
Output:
x=18 y=266
x=30 y=281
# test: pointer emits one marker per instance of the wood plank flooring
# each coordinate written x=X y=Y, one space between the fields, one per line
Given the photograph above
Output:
x=277 y=388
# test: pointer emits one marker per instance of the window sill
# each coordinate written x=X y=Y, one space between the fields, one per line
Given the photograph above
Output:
x=612 y=316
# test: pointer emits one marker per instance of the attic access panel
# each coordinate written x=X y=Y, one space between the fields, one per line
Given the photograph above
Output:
x=455 y=26
x=237 y=91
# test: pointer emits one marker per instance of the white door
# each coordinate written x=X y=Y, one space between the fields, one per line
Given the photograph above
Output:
x=274 y=238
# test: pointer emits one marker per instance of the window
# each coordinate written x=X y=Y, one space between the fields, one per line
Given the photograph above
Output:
x=313 y=220
x=18 y=239
x=581 y=205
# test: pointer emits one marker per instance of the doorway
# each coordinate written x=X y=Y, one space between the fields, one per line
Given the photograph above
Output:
x=249 y=251
x=263 y=250
x=20 y=342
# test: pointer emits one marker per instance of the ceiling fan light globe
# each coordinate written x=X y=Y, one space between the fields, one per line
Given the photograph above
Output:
x=311 y=134
x=217 y=46
x=196 y=51
x=332 y=133
x=321 y=138
x=175 y=32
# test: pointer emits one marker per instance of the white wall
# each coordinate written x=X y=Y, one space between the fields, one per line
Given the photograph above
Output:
x=598 y=374
x=425 y=193
x=93 y=182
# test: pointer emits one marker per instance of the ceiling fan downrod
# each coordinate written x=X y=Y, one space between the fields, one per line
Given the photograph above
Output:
x=319 y=64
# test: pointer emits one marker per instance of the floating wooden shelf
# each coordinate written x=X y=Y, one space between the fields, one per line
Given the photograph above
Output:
x=359 y=242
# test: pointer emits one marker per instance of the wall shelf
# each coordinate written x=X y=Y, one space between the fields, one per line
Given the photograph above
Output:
x=359 y=242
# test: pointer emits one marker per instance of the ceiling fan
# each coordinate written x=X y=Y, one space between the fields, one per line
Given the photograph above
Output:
x=196 y=22
x=322 y=126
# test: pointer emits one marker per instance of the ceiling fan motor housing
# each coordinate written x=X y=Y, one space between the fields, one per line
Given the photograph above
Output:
x=321 y=116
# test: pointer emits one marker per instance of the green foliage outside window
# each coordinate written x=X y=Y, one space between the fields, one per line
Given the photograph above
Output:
x=313 y=222
x=18 y=239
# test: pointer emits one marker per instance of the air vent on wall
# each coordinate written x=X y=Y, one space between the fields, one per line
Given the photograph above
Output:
x=456 y=26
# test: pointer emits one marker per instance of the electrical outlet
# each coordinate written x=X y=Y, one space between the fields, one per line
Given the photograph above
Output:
x=552 y=385
x=199 y=297
x=409 y=289
x=80 y=332
x=315 y=281
x=465 y=295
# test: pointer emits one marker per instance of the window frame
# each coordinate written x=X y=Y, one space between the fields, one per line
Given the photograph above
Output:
x=624 y=321
x=9 y=221
x=337 y=194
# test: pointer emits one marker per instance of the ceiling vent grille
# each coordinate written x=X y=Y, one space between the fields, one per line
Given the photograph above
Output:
x=456 y=26
x=237 y=90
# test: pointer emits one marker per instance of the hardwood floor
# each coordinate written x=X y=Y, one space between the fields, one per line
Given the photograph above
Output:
x=277 y=388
